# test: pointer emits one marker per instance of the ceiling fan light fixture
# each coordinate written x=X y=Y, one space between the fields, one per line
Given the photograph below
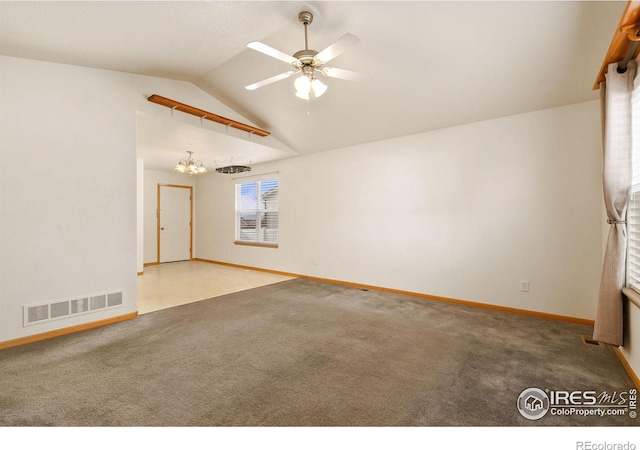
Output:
x=318 y=87
x=308 y=86
x=302 y=85
x=303 y=95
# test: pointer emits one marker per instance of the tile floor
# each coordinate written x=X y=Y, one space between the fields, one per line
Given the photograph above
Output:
x=173 y=284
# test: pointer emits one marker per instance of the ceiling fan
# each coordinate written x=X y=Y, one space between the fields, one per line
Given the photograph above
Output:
x=309 y=62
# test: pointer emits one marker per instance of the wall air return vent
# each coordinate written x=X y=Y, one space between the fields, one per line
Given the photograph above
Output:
x=37 y=313
x=98 y=302
x=59 y=309
x=46 y=312
x=79 y=305
x=114 y=299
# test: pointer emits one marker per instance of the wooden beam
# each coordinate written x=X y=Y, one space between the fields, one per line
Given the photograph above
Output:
x=621 y=42
x=206 y=115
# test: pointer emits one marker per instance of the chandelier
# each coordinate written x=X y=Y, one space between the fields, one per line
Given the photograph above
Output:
x=190 y=166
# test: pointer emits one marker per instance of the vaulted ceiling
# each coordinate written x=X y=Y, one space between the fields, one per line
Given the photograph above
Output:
x=434 y=64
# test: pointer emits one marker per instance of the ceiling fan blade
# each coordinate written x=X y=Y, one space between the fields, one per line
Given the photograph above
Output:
x=259 y=84
x=345 y=74
x=345 y=42
x=270 y=51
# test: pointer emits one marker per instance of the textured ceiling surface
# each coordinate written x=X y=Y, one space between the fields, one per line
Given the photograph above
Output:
x=434 y=64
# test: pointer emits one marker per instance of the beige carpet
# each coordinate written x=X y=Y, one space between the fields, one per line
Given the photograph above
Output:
x=305 y=353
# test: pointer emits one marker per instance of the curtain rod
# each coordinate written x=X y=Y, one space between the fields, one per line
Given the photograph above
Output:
x=622 y=66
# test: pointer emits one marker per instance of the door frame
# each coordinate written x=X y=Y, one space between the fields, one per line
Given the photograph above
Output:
x=177 y=186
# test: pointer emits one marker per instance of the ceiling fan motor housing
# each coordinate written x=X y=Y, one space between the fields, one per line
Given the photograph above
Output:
x=305 y=56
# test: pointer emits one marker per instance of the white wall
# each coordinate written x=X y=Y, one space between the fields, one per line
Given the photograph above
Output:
x=68 y=222
x=466 y=212
x=151 y=180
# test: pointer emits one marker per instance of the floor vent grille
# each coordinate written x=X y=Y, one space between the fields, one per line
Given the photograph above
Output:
x=45 y=312
x=589 y=341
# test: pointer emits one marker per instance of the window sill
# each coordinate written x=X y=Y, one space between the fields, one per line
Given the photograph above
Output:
x=632 y=295
x=256 y=244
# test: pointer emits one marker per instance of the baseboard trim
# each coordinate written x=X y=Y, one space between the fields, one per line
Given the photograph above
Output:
x=508 y=309
x=68 y=330
x=257 y=269
x=627 y=367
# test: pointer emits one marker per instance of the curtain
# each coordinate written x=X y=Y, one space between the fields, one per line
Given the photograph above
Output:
x=615 y=95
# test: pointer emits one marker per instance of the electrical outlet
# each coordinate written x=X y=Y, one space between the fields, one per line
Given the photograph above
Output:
x=524 y=286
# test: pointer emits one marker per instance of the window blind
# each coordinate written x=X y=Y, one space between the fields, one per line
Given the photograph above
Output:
x=257 y=215
x=633 y=208
x=633 y=239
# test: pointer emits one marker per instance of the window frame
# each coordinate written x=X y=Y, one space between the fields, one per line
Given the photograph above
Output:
x=633 y=239
x=632 y=272
x=261 y=211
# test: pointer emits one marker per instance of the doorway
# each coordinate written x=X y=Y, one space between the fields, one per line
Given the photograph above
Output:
x=175 y=223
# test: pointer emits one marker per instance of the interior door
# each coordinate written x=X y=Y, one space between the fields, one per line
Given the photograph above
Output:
x=174 y=223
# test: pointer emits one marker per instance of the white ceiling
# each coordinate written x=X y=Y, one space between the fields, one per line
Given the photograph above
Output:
x=435 y=64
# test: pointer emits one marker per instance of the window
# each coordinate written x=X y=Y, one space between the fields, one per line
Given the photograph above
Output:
x=633 y=239
x=633 y=209
x=257 y=212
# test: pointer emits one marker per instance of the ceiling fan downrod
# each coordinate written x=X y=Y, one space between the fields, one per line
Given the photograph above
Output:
x=305 y=18
x=305 y=56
